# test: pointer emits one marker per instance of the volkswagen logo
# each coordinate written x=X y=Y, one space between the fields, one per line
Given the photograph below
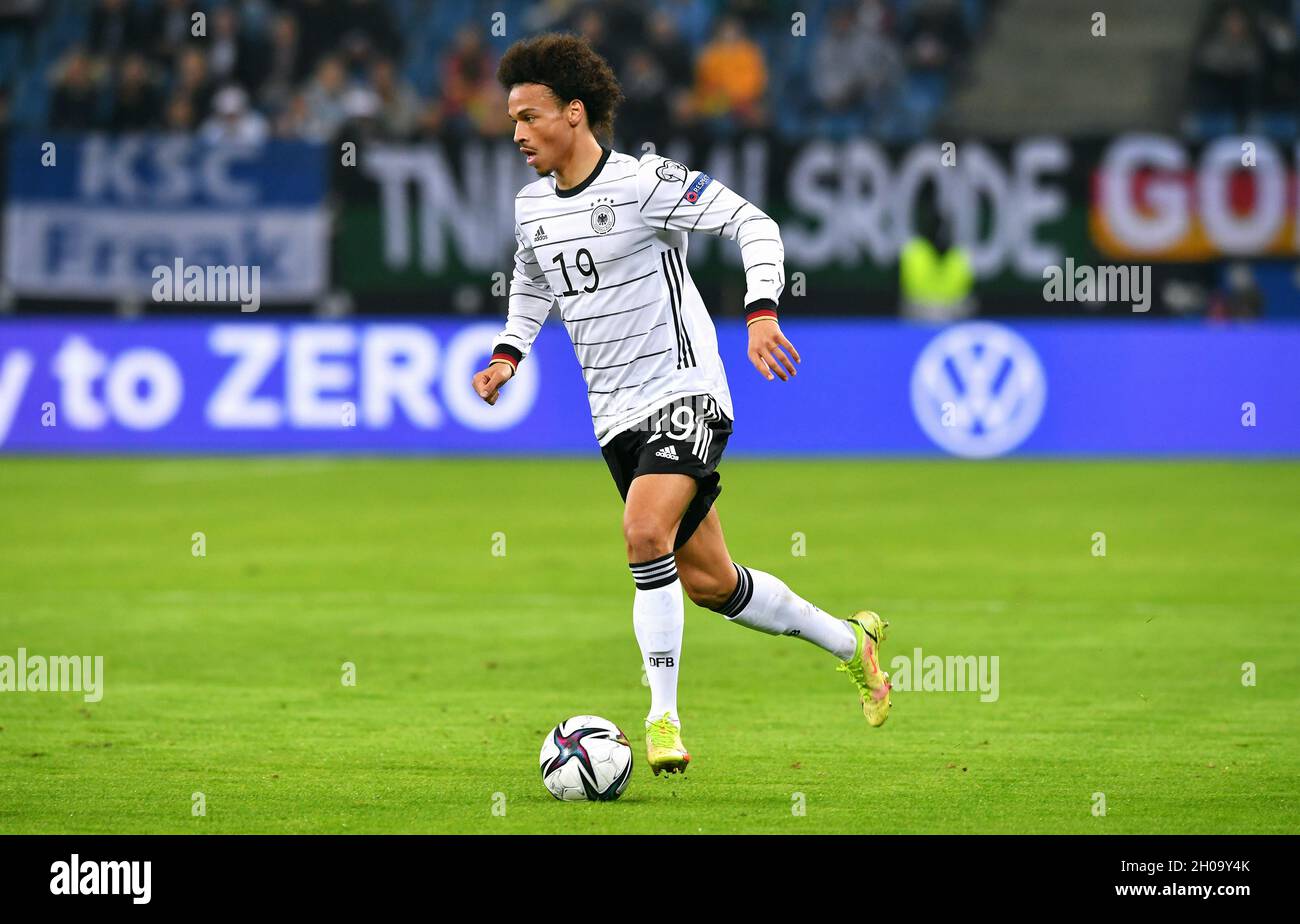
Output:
x=978 y=390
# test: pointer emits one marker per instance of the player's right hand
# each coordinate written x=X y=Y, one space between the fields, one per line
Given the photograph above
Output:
x=487 y=383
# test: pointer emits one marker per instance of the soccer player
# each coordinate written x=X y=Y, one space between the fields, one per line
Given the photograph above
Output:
x=605 y=235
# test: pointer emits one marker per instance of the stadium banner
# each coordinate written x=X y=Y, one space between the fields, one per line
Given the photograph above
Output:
x=95 y=216
x=973 y=390
x=429 y=226
x=1157 y=198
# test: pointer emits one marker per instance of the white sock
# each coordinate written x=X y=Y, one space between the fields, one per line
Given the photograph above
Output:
x=658 y=617
x=763 y=602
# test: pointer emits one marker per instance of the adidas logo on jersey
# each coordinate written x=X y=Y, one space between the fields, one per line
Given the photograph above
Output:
x=540 y=235
x=668 y=452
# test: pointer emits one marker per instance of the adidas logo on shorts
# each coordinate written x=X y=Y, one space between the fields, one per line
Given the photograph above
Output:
x=668 y=452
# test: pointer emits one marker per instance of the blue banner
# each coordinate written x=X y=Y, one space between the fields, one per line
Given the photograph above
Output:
x=94 y=216
x=974 y=390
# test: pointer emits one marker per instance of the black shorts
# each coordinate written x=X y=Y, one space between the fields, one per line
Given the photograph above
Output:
x=685 y=437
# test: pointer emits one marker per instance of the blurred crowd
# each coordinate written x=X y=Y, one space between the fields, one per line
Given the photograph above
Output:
x=1245 y=69
x=407 y=69
x=411 y=68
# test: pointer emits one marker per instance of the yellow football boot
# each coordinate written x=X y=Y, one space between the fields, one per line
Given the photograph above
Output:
x=864 y=667
x=664 y=748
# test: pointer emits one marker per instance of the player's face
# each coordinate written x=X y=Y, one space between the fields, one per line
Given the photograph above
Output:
x=542 y=130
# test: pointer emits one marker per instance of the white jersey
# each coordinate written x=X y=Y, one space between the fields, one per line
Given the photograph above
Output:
x=612 y=252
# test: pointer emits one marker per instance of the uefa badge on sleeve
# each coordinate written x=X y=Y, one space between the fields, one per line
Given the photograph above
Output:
x=670 y=171
x=697 y=188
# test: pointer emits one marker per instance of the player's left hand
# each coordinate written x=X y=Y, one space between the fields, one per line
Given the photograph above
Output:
x=765 y=345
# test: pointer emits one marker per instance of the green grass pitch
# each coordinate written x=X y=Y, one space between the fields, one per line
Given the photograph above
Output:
x=1119 y=674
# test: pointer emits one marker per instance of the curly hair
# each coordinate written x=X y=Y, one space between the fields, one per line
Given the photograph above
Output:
x=569 y=66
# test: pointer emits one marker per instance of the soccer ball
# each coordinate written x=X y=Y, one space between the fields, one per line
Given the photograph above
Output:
x=586 y=757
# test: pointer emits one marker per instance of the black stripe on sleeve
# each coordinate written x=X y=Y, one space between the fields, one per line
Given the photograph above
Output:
x=733 y=215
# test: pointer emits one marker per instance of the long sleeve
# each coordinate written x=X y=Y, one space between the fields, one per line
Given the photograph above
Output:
x=529 y=304
x=672 y=196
